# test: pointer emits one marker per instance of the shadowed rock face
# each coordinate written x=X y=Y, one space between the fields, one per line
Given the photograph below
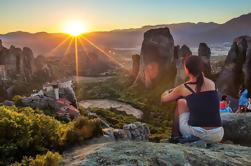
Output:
x=183 y=52
x=247 y=69
x=157 y=54
x=205 y=53
x=232 y=75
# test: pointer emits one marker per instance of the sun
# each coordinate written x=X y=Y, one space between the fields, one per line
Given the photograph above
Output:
x=75 y=28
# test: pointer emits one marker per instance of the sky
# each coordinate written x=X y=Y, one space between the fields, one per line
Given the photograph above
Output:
x=104 y=15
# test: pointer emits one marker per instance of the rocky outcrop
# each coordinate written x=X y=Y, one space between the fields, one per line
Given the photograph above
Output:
x=60 y=97
x=183 y=52
x=135 y=65
x=135 y=131
x=157 y=55
x=246 y=69
x=205 y=53
x=237 y=127
x=232 y=76
x=163 y=154
x=19 y=63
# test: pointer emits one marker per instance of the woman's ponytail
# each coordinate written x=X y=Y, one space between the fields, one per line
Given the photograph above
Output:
x=200 y=82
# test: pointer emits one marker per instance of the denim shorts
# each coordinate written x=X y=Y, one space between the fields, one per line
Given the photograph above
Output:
x=211 y=136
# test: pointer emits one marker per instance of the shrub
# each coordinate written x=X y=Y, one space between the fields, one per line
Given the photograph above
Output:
x=18 y=100
x=49 y=159
x=28 y=132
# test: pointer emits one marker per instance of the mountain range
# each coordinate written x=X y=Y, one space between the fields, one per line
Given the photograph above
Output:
x=184 y=33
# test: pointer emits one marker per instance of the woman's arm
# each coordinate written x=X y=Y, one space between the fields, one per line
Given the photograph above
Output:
x=172 y=95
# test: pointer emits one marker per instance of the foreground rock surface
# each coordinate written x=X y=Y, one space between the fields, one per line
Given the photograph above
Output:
x=162 y=154
x=237 y=127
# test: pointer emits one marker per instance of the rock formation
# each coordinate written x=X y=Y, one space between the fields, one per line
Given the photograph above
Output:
x=135 y=131
x=247 y=69
x=57 y=96
x=157 y=55
x=183 y=52
x=232 y=75
x=18 y=63
x=135 y=65
x=205 y=53
x=163 y=154
x=237 y=127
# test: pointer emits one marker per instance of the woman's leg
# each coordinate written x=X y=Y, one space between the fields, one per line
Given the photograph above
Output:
x=180 y=108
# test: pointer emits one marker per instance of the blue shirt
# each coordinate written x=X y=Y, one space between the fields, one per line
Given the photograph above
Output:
x=226 y=110
x=243 y=101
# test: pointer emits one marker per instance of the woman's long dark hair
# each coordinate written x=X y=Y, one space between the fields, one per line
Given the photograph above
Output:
x=194 y=65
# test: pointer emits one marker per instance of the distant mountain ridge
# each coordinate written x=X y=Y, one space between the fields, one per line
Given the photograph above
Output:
x=184 y=33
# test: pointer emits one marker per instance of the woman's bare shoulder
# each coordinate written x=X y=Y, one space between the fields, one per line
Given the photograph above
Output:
x=210 y=83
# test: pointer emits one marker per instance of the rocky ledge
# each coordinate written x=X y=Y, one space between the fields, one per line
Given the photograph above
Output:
x=162 y=154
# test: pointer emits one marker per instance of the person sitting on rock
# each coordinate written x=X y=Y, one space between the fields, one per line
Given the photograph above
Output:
x=224 y=105
x=197 y=112
x=243 y=100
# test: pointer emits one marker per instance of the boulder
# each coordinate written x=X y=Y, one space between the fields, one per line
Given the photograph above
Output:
x=183 y=52
x=8 y=103
x=41 y=102
x=157 y=56
x=134 y=131
x=164 y=154
x=205 y=53
x=237 y=127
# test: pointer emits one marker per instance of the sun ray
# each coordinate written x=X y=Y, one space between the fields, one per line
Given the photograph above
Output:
x=83 y=47
x=68 y=47
x=50 y=53
x=106 y=54
x=76 y=58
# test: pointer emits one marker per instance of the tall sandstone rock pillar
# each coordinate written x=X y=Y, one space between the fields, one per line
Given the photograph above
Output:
x=183 y=53
x=232 y=75
x=205 y=53
x=135 y=65
x=157 y=56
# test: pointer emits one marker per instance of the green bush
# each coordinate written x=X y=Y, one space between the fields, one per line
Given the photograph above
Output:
x=49 y=159
x=28 y=132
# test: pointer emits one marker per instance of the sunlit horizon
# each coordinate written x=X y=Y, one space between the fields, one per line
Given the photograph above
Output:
x=111 y=15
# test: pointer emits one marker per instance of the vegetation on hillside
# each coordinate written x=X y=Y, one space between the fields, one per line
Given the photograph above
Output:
x=28 y=132
x=113 y=117
x=120 y=88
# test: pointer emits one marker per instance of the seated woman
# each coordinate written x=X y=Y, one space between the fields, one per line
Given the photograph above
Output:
x=197 y=112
